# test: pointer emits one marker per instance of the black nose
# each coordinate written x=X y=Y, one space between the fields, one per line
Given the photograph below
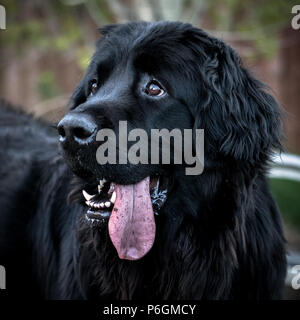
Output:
x=78 y=127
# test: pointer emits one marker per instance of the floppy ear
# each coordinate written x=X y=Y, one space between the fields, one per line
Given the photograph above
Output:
x=243 y=118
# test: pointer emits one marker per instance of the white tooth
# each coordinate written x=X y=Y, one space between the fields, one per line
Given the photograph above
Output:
x=87 y=196
x=102 y=205
x=101 y=184
x=98 y=205
x=92 y=204
x=107 y=204
x=88 y=203
x=113 y=197
x=95 y=205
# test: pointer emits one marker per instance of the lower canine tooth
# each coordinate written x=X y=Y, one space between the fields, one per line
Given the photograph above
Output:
x=107 y=204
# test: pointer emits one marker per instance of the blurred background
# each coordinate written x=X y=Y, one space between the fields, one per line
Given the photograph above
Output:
x=46 y=48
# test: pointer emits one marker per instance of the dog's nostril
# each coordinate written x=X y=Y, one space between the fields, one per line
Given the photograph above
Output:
x=82 y=133
x=78 y=127
x=61 y=131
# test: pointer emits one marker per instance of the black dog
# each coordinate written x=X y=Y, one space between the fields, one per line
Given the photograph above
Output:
x=217 y=235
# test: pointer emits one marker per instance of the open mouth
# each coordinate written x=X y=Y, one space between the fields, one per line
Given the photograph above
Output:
x=130 y=211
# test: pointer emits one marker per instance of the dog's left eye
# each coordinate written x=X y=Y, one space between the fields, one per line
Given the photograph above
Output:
x=93 y=87
x=153 y=88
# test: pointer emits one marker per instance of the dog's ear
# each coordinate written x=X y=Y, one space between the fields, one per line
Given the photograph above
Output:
x=241 y=116
x=253 y=116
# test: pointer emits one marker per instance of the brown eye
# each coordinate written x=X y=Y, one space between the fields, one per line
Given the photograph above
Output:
x=154 y=89
x=93 y=87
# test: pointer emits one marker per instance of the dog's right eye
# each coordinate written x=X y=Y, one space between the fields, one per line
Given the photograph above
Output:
x=154 y=88
x=93 y=87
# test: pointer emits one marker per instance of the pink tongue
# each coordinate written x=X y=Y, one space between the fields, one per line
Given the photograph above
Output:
x=131 y=225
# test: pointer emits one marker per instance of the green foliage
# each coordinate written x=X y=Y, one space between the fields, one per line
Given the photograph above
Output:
x=29 y=32
x=63 y=25
x=287 y=195
x=83 y=56
x=58 y=31
x=259 y=20
x=249 y=15
x=47 y=87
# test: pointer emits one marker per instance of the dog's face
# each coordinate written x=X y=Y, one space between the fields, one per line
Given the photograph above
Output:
x=162 y=76
x=134 y=79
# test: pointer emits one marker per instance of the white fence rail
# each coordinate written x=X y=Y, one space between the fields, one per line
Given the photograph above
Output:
x=287 y=166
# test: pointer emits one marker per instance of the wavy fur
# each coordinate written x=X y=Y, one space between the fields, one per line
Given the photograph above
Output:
x=219 y=235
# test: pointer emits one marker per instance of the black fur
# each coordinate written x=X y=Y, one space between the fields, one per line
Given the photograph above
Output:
x=219 y=235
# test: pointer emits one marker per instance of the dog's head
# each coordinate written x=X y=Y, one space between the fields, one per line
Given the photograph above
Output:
x=162 y=75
